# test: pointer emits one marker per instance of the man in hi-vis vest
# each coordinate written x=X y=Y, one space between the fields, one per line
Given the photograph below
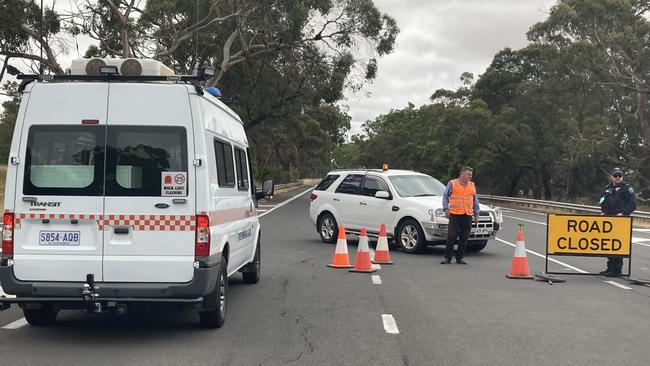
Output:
x=460 y=204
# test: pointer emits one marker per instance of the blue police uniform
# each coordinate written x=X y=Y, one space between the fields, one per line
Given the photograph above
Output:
x=617 y=198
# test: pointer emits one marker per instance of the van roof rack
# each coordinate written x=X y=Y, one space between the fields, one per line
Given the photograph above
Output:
x=203 y=74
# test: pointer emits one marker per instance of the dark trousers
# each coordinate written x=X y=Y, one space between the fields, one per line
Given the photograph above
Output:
x=615 y=264
x=459 y=227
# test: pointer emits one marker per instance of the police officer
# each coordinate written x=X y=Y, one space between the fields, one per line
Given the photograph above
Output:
x=618 y=199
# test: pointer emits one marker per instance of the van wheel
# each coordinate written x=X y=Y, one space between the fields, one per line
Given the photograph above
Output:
x=215 y=303
x=328 y=228
x=410 y=236
x=477 y=246
x=40 y=317
x=251 y=272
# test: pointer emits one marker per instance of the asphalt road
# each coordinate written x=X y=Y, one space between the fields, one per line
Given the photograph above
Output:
x=304 y=313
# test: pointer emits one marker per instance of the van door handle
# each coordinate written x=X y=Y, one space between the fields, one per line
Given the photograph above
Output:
x=363 y=203
x=335 y=199
x=161 y=205
x=121 y=230
x=179 y=200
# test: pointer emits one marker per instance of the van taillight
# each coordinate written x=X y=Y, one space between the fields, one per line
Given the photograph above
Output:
x=202 y=244
x=8 y=234
x=312 y=196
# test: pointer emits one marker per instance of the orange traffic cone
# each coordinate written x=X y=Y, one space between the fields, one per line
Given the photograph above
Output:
x=519 y=267
x=341 y=258
x=382 y=256
x=362 y=260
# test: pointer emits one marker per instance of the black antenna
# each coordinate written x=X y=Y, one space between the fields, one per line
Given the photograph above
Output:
x=196 y=41
x=40 y=67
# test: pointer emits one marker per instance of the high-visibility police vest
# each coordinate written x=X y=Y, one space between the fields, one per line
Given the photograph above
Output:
x=461 y=200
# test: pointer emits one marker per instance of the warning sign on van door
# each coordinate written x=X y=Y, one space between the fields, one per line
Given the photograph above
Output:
x=174 y=184
x=589 y=235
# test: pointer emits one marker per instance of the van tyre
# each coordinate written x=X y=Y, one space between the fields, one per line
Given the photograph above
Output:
x=476 y=246
x=410 y=237
x=328 y=228
x=215 y=303
x=251 y=272
x=40 y=317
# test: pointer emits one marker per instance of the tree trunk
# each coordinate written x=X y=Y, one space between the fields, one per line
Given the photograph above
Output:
x=546 y=181
x=641 y=105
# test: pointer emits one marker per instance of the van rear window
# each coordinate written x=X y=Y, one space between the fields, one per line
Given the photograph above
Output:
x=138 y=155
x=64 y=160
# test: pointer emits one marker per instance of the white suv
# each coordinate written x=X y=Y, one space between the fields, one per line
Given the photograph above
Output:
x=408 y=203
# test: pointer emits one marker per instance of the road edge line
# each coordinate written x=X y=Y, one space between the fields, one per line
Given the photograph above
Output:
x=283 y=203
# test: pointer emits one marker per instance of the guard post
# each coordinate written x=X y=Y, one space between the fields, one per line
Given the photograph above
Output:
x=589 y=236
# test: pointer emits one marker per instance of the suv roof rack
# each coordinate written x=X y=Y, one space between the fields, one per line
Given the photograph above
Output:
x=203 y=74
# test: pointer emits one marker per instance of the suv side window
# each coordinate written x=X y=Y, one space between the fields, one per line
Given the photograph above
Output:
x=351 y=184
x=326 y=182
x=373 y=184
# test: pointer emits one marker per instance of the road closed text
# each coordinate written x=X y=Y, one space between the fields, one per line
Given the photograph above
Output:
x=589 y=235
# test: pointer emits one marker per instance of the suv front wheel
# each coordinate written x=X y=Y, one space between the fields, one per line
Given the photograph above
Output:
x=410 y=237
x=328 y=228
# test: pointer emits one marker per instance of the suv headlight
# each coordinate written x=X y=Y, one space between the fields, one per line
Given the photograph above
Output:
x=437 y=213
x=499 y=214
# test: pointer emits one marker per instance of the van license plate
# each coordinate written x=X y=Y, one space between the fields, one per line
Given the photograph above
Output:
x=480 y=231
x=59 y=238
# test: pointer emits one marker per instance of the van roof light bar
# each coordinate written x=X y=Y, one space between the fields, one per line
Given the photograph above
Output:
x=109 y=73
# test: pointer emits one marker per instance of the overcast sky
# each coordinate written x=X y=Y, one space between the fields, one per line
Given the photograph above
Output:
x=438 y=41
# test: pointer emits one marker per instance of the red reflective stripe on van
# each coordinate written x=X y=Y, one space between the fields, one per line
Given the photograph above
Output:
x=229 y=215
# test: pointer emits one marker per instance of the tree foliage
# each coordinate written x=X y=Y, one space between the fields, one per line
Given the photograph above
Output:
x=546 y=121
x=287 y=61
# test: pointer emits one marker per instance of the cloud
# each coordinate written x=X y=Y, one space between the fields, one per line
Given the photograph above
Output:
x=438 y=41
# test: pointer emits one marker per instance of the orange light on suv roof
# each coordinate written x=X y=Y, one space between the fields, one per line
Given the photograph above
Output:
x=384 y=167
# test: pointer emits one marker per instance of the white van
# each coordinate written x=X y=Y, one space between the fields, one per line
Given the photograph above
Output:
x=126 y=189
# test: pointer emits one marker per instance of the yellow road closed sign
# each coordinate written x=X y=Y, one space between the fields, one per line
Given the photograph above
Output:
x=589 y=235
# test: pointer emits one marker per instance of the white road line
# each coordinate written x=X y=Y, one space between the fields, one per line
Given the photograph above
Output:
x=390 y=325
x=544 y=256
x=544 y=214
x=265 y=205
x=618 y=285
x=564 y=264
x=261 y=210
x=285 y=202
x=520 y=219
x=376 y=279
x=17 y=324
x=635 y=240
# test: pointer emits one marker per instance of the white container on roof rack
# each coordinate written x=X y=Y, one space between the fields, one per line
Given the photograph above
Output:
x=126 y=67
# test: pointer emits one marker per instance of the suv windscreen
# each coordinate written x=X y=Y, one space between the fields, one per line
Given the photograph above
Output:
x=326 y=182
x=137 y=156
x=351 y=184
x=65 y=161
x=417 y=185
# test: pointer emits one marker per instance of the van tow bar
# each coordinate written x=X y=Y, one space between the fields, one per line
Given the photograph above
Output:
x=90 y=296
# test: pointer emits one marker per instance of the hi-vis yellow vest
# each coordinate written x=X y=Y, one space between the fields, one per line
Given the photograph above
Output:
x=461 y=200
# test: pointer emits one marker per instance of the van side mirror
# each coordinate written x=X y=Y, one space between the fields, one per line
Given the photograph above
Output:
x=382 y=194
x=268 y=190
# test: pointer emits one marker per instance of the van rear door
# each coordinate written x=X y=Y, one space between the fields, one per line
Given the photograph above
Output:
x=149 y=212
x=59 y=188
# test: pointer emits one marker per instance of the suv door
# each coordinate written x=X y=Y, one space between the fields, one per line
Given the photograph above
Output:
x=149 y=220
x=376 y=211
x=346 y=200
x=59 y=191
